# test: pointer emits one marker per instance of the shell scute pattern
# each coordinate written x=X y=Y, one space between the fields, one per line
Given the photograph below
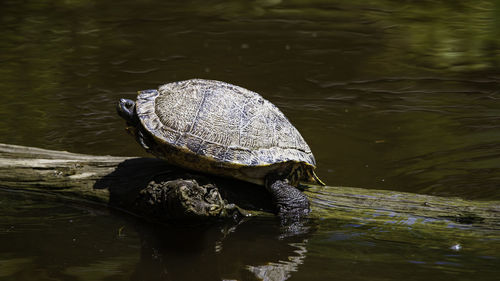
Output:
x=222 y=122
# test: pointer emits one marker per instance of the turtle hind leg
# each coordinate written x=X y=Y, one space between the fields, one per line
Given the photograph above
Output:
x=290 y=202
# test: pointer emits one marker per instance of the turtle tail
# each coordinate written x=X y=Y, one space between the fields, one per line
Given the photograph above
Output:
x=312 y=177
x=317 y=179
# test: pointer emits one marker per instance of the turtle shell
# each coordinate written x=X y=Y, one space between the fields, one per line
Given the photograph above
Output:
x=202 y=124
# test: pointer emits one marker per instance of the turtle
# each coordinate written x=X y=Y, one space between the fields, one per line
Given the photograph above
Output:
x=222 y=129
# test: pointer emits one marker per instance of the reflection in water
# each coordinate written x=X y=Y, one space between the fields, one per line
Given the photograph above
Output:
x=250 y=250
x=63 y=243
x=281 y=270
x=41 y=239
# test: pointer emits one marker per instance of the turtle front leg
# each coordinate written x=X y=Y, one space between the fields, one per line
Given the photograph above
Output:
x=143 y=140
x=290 y=202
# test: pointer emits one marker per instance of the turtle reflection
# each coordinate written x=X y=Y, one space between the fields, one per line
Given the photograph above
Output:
x=253 y=249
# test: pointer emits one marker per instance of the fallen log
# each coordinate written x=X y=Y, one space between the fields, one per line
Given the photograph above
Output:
x=141 y=185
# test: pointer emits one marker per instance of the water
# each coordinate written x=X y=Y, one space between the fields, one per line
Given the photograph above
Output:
x=43 y=239
x=388 y=94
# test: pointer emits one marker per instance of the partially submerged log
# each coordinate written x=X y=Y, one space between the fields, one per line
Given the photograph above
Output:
x=141 y=185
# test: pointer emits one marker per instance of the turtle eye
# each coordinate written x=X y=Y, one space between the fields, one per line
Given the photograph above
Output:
x=129 y=104
x=126 y=103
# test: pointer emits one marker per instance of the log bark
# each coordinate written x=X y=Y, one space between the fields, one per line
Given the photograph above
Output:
x=136 y=185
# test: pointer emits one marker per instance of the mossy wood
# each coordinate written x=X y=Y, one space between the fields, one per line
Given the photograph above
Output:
x=119 y=182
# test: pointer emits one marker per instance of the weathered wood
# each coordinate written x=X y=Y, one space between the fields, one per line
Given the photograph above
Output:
x=118 y=181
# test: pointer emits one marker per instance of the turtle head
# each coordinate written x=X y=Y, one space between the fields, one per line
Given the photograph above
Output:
x=126 y=109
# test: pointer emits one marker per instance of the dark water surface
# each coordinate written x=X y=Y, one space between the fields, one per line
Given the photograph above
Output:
x=399 y=95
x=55 y=241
